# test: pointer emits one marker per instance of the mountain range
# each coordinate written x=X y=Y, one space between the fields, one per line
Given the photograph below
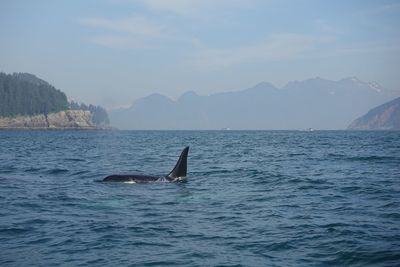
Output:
x=314 y=103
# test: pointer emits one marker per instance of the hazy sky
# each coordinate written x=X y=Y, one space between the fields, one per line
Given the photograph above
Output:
x=113 y=52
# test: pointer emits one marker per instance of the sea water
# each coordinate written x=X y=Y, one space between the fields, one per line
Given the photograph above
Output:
x=252 y=198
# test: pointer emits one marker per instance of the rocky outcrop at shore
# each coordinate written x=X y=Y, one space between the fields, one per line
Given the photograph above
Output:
x=63 y=120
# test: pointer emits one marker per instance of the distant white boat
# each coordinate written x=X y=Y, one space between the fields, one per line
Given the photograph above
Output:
x=226 y=129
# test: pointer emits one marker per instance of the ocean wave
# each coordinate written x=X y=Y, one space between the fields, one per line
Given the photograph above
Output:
x=57 y=171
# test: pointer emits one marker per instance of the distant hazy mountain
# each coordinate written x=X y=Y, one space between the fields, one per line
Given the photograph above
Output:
x=315 y=103
x=383 y=117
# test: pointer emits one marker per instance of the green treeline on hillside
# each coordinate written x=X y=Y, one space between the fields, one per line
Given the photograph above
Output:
x=25 y=94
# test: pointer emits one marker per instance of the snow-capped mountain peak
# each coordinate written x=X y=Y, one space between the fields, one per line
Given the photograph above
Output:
x=375 y=86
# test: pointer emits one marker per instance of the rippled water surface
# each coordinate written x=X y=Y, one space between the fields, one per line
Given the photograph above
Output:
x=256 y=198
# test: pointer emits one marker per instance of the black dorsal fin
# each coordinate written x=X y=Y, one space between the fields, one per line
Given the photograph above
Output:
x=180 y=168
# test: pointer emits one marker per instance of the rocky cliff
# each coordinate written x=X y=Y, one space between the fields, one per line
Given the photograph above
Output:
x=383 y=117
x=63 y=120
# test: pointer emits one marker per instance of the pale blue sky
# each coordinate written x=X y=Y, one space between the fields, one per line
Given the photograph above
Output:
x=113 y=52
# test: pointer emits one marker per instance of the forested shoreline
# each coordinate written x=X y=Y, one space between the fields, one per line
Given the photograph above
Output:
x=24 y=94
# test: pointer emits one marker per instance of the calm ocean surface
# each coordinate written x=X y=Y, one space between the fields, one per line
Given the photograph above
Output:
x=253 y=198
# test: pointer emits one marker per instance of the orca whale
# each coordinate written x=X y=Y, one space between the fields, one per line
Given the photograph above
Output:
x=177 y=174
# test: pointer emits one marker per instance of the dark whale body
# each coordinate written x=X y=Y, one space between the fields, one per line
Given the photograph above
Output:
x=177 y=174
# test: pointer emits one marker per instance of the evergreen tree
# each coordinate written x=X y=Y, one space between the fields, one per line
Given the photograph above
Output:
x=25 y=94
